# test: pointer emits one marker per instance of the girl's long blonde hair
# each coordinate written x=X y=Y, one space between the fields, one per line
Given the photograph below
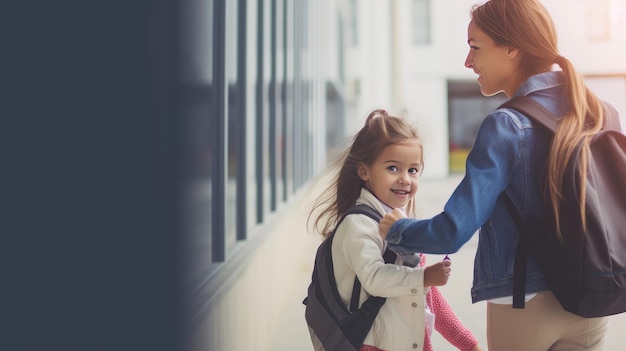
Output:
x=527 y=26
x=380 y=130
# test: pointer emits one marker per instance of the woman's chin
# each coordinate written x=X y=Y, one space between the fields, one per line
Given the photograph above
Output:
x=486 y=92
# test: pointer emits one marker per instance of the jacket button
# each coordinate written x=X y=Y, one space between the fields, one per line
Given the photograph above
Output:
x=414 y=304
x=413 y=291
x=414 y=346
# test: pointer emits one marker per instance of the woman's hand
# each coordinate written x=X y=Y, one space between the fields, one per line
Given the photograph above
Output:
x=388 y=220
x=438 y=273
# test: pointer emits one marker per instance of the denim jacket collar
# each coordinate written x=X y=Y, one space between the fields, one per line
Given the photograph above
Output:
x=539 y=82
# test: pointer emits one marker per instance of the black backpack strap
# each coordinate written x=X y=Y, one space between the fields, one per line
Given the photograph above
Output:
x=521 y=255
x=532 y=109
x=389 y=257
x=365 y=210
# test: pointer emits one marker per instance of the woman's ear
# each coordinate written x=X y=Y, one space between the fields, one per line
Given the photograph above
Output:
x=513 y=53
x=363 y=172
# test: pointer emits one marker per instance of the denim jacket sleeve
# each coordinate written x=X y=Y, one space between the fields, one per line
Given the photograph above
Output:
x=489 y=167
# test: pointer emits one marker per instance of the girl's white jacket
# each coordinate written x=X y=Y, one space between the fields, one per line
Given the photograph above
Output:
x=358 y=248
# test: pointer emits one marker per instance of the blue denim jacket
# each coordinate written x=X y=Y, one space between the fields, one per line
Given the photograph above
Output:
x=509 y=155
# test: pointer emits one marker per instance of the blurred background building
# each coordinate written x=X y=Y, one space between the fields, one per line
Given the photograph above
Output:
x=162 y=151
x=297 y=79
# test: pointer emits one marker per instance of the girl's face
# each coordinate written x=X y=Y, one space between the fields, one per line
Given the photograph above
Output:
x=394 y=176
x=495 y=65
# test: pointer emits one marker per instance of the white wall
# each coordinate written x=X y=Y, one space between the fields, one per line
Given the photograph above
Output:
x=368 y=66
x=427 y=107
x=571 y=18
x=613 y=90
x=245 y=313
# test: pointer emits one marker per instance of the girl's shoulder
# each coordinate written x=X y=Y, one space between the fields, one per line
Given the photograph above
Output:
x=358 y=221
x=358 y=225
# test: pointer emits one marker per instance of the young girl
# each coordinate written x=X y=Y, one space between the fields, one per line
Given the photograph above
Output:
x=381 y=169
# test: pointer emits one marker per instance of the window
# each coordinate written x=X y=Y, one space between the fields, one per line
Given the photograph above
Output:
x=467 y=109
x=234 y=127
x=199 y=95
x=420 y=22
x=354 y=23
x=246 y=103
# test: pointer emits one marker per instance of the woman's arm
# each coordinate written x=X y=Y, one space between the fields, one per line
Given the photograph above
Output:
x=489 y=169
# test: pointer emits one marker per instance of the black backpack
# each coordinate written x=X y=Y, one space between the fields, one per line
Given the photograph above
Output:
x=587 y=270
x=327 y=317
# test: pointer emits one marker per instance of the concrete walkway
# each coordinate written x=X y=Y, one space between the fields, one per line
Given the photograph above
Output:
x=432 y=195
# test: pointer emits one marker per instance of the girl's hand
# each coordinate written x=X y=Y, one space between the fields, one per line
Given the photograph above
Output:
x=477 y=348
x=388 y=220
x=438 y=273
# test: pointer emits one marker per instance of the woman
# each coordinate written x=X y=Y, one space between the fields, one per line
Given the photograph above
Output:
x=513 y=49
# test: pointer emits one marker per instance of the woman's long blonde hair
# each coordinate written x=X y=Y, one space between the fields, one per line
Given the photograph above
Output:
x=527 y=26
x=380 y=130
